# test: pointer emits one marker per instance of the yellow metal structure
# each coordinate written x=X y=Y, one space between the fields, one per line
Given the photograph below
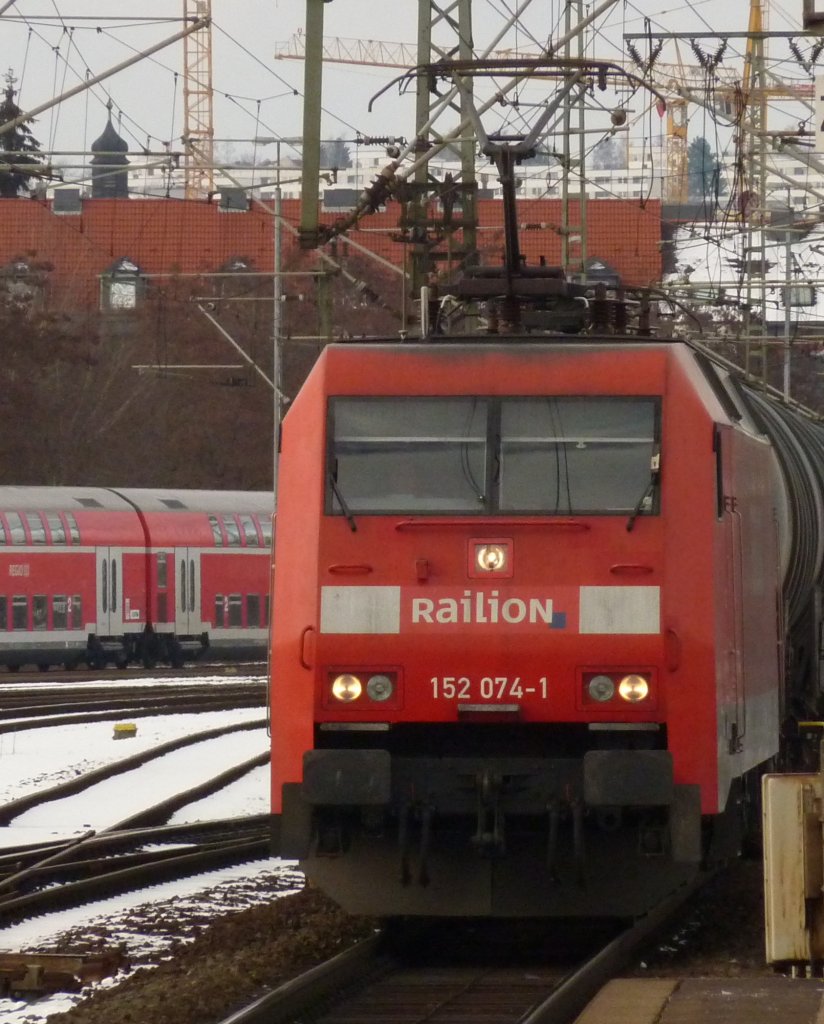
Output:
x=677 y=163
x=199 y=134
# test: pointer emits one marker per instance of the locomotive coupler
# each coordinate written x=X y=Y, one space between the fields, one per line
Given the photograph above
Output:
x=578 y=839
x=403 y=842
x=426 y=816
x=426 y=835
x=489 y=828
x=554 y=810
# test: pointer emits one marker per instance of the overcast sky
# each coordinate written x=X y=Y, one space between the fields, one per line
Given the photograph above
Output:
x=51 y=45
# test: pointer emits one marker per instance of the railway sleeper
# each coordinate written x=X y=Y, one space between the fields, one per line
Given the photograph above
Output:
x=29 y=974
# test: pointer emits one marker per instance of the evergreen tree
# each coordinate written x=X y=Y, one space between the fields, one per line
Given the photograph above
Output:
x=20 y=142
x=335 y=153
x=704 y=171
x=608 y=155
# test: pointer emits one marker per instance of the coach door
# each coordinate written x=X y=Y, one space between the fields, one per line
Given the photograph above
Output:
x=109 y=591
x=733 y=698
x=187 y=592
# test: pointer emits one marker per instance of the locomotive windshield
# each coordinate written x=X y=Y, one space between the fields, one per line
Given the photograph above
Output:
x=466 y=455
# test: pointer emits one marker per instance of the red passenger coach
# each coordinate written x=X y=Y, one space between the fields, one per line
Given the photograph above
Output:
x=101 y=576
x=531 y=610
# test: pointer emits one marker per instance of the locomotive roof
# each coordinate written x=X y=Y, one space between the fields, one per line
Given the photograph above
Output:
x=78 y=499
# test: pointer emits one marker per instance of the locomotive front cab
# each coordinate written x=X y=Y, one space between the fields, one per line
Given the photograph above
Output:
x=492 y=650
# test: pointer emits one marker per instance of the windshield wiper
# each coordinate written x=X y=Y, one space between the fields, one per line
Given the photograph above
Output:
x=353 y=526
x=654 y=467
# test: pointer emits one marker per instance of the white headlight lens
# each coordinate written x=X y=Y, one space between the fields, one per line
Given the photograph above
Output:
x=633 y=688
x=490 y=557
x=379 y=688
x=346 y=687
x=601 y=688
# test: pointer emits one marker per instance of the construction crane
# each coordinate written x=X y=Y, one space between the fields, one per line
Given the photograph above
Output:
x=199 y=133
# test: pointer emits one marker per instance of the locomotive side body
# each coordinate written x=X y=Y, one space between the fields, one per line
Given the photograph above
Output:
x=101 y=576
x=508 y=676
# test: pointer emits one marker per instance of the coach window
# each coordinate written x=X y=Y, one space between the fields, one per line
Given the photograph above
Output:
x=249 y=531
x=267 y=611
x=162 y=572
x=16 y=528
x=191 y=585
x=36 y=528
x=265 y=524
x=578 y=455
x=4 y=612
x=19 y=612
x=232 y=530
x=182 y=585
x=3 y=539
x=253 y=611
x=104 y=584
x=77 y=611
x=74 y=532
x=40 y=611
x=235 y=610
x=60 y=608
x=56 y=528
x=216 y=531
x=407 y=455
x=220 y=617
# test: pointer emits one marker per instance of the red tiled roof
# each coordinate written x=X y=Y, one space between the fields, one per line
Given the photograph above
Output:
x=164 y=236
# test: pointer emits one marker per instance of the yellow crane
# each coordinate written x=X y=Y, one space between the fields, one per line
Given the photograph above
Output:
x=199 y=133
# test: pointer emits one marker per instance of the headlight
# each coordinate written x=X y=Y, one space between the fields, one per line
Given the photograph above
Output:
x=490 y=557
x=601 y=688
x=633 y=688
x=379 y=687
x=346 y=687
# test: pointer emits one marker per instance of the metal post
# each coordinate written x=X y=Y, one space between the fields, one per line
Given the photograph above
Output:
x=788 y=256
x=566 y=156
x=312 y=89
x=277 y=311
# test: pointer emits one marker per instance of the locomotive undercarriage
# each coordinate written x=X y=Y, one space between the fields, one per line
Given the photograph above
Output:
x=606 y=833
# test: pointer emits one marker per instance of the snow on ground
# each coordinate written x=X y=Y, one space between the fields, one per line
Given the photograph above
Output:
x=112 y=800
x=249 y=795
x=34 y=759
x=202 y=895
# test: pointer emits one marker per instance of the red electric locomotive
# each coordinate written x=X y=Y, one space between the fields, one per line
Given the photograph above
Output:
x=542 y=604
x=98 y=575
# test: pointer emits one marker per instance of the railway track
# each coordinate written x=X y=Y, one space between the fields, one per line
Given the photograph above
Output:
x=26 y=709
x=46 y=877
x=194 y=669
x=382 y=981
x=38 y=881
x=14 y=808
